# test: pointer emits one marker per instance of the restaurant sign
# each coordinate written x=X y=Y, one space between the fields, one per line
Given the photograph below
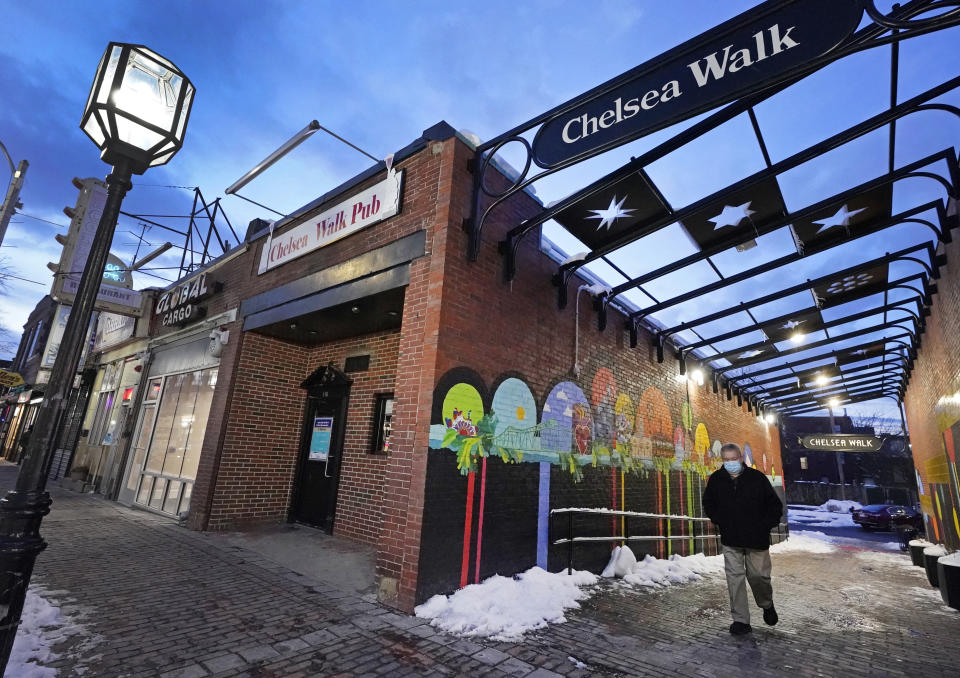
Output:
x=753 y=51
x=366 y=208
x=841 y=442
x=10 y=379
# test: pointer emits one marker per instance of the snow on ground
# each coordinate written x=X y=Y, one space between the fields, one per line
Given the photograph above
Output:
x=504 y=608
x=41 y=627
x=840 y=506
x=805 y=540
x=654 y=572
x=888 y=558
x=819 y=516
x=802 y=540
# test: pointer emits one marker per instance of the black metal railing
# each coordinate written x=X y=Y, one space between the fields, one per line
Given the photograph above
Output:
x=707 y=536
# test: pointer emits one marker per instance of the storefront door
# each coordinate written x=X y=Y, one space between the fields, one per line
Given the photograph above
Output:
x=321 y=451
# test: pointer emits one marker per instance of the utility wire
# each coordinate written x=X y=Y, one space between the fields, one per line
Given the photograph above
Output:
x=30 y=216
x=16 y=277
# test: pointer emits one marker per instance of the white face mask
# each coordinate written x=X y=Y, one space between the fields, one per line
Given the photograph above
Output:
x=733 y=467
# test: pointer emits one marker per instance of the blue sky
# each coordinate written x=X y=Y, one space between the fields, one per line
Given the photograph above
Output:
x=380 y=73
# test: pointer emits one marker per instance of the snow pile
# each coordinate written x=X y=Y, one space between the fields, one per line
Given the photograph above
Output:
x=811 y=542
x=504 y=608
x=921 y=542
x=654 y=572
x=817 y=516
x=840 y=506
x=953 y=559
x=41 y=626
x=936 y=550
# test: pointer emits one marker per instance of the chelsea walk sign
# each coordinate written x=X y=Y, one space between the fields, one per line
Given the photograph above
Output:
x=841 y=442
x=748 y=53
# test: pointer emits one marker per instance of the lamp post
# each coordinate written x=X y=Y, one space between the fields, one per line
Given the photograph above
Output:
x=833 y=402
x=136 y=114
x=10 y=202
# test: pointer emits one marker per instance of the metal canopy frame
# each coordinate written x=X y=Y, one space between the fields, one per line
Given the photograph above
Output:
x=762 y=387
x=202 y=240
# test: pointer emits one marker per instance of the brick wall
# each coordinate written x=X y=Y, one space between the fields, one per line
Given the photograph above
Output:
x=242 y=481
x=264 y=424
x=932 y=406
x=491 y=331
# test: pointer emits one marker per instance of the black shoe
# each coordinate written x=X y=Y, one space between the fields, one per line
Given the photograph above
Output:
x=770 y=616
x=739 y=628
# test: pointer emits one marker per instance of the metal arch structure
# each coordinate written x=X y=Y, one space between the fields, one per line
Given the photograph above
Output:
x=900 y=24
x=762 y=386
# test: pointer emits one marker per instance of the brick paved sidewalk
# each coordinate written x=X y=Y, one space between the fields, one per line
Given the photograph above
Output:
x=158 y=600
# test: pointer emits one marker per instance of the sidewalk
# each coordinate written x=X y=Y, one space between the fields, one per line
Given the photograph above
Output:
x=159 y=600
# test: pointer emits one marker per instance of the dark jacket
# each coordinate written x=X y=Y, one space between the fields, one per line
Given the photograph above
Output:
x=744 y=508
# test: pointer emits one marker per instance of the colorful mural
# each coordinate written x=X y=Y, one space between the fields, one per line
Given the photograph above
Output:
x=938 y=480
x=636 y=444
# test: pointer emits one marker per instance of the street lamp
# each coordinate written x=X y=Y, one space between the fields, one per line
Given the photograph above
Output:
x=136 y=114
x=831 y=403
x=11 y=202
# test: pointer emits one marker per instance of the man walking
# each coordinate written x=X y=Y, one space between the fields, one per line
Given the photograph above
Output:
x=741 y=502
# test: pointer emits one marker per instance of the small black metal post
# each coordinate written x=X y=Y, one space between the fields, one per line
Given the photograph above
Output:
x=570 y=543
x=24 y=507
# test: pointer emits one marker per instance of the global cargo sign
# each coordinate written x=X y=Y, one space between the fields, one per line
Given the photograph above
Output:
x=380 y=201
x=754 y=51
x=841 y=442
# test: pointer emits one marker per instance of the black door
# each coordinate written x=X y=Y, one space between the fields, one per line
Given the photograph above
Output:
x=321 y=453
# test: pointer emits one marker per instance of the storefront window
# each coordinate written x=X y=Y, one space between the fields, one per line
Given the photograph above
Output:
x=153 y=390
x=141 y=442
x=170 y=439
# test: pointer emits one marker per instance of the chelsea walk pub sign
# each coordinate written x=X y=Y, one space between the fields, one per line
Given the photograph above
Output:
x=374 y=204
x=750 y=52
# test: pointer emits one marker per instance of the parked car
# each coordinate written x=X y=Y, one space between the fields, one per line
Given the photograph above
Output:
x=887 y=517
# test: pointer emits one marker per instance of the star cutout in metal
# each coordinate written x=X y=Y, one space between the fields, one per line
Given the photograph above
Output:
x=841 y=218
x=731 y=216
x=790 y=324
x=612 y=213
x=749 y=354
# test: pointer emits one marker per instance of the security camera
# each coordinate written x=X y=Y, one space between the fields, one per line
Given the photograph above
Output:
x=218 y=339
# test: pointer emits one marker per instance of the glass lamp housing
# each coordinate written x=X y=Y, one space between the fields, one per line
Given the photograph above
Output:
x=138 y=107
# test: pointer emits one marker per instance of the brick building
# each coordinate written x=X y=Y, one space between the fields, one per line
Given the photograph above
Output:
x=932 y=405
x=348 y=367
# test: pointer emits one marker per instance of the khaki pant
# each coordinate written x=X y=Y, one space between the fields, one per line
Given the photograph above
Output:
x=742 y=565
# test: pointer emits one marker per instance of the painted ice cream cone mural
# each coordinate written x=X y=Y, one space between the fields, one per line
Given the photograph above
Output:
x=567 y=425
x=641 y=447
x=460 y=405
x=573 y=434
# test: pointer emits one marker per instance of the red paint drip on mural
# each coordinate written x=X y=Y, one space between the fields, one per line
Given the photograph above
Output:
x=467 y=525
x=483 y=493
